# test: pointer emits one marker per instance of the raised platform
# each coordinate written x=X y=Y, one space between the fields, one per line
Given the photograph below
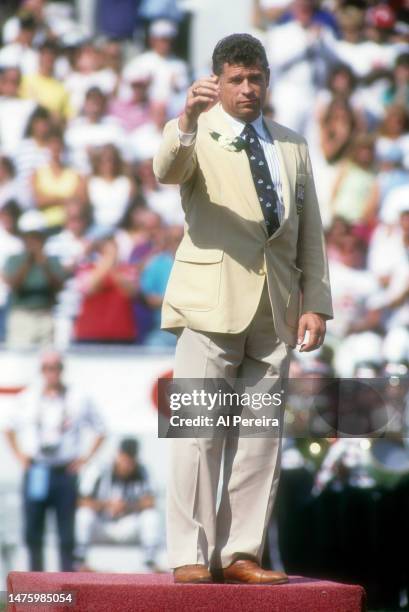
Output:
x=149 y=592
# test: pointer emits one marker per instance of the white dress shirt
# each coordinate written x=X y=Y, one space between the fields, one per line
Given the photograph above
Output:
x=269 y=149
x=59 y=422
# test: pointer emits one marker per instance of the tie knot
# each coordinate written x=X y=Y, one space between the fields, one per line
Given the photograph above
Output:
x=248 y=131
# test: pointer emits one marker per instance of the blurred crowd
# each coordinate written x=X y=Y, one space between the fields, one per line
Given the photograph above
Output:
x=340 y=76
x=88 y=235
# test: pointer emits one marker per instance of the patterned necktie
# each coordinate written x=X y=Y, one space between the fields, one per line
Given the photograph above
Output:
x=263 y=182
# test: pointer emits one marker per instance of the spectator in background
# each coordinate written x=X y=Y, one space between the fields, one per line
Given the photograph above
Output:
x=14 y=111
x=110 y=190
x=72 y=246
x=338 y=126
x=34 y=280
x=351 y=19
x=364 y=56
x=337 y=231
x=352 y=333
x=112 y=57
x=108 y=288
x=92 y=130
x=32 y=153
x=45 y=432
x=73 y=243
x=134 y=236
x=380 y=24
x=391 y=304
x=154 y=279
x=10 y=244
x=354 y=181
x=44 y=88
x=136 y=110
x=119 y=507
x=32 y=8
x=89 y=72
x=398 y=92
x=394 y=131
x=322 y=128
x=8 y=186
x=299 y=51
x=390 y=175
x=169 y=74
x=56 y=183
x=20 y=53
x=342 y=84
x=138 y=238
x=387 y=237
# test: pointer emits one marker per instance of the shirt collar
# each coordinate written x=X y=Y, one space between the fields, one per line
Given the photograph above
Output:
x=238 y=125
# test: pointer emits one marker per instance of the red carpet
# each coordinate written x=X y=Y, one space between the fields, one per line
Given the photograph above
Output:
x=158 y=593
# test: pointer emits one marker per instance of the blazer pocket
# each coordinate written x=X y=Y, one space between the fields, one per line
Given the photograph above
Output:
x=292 y=312
x=195 y=279
x=199 y=255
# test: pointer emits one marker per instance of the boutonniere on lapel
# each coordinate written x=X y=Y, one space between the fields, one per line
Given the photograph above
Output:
x=299 y=197
x=230 y=144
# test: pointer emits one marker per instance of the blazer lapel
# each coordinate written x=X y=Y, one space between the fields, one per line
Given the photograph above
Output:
x=239 y=163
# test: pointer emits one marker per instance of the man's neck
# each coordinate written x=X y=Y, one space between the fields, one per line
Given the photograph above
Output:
x=53 y=390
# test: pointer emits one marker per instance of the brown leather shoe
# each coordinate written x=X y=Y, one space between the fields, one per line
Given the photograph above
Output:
x=192 y=574
x=246 y=571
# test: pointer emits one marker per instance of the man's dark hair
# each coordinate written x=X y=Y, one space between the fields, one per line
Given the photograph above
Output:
x=130 y=447
x=241 y=49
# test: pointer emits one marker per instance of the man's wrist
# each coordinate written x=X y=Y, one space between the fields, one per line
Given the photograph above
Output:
x=187 y=125
x=323 y=316
x=187 y=139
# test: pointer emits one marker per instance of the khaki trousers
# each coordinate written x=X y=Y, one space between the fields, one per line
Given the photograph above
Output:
x=26 y=328
x=196 y=531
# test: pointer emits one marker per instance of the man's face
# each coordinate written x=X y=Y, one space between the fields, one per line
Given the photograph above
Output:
x=161 y=44
x=124 y=465
x=52 y=368
x=243 y=90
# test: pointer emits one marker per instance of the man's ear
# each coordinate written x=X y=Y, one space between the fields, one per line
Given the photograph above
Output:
x=268 y=76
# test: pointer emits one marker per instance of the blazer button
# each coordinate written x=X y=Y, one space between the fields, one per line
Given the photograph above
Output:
x=261 y=271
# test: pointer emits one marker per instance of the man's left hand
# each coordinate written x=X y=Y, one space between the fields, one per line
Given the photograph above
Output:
x=315 y=324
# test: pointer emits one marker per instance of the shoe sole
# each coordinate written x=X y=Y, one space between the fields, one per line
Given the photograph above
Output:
x=256 y=583
x=204 y=581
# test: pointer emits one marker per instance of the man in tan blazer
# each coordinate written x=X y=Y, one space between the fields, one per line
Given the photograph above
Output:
x=249 y=282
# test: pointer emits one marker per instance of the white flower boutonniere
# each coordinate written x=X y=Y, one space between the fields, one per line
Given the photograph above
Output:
x=230 y=144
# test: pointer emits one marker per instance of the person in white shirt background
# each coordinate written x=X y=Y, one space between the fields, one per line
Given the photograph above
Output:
x=45 y=432
x=169 y=73
x=14 y=111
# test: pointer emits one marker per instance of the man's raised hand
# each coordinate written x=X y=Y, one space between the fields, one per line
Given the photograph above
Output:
x=201 y=96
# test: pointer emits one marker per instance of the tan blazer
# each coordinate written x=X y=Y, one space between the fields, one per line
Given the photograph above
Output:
x=221 y=263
